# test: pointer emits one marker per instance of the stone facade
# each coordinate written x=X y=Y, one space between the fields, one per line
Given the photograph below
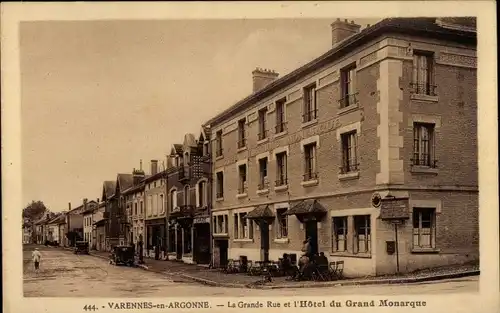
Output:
x=381 y=118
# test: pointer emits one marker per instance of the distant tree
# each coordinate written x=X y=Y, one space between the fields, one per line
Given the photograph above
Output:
x=35 y=210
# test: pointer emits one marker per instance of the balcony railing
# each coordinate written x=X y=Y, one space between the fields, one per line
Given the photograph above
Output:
x=281 y=181
x=428 y=162
x=308 y=176
x=280 y=127
x=348 y=100
x=309 y=116
x=423 y=89
x=242 y=143
x=262 y=134
x=349 y=168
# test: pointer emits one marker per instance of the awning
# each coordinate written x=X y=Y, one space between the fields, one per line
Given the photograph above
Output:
x=100 y=222
x=311 y=206
x=260 y=212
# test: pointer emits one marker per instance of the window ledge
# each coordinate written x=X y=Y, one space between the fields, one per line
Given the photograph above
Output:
x=351 y=255
x=281 y=188
x=219 y=199
x=262 y=141
x=220 y=157
x=309 y=183
x=348 y=109
x=281 y=240
x=424 y=170
x=242 y=149
x=349 y=176
x=422 y=97
x=262 y=191
x=309 y=123
x=220 y=235
x=281 y=134
x=241 y=195
x=243 y=240
x=425 y=250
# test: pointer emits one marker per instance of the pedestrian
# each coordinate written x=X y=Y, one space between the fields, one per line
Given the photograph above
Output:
x=36 y=259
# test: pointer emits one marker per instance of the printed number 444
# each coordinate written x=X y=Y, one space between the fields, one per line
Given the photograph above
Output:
x=90 y=307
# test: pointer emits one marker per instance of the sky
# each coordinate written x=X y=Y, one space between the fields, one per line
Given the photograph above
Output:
x=99 y=96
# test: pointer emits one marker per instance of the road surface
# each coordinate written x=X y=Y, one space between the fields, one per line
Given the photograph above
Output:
x=64 y=274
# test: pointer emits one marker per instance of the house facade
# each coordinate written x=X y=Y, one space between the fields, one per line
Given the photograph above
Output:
x=74 y=222
x=134 y=197
x=88 y=221
x=189 y=182
x=28 y=232
x=155 y=245
x=370 y=150
x=99 y=228
x=111 y=225
x=123 y=182
x=62 y=229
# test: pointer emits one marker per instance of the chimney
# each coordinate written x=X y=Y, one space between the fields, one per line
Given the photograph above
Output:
x=154 y=167
x=342 y=30
x=262 y=78
x=69 y=206
x=98 y=201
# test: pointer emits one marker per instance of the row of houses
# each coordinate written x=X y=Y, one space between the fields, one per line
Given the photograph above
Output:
x=369 y=150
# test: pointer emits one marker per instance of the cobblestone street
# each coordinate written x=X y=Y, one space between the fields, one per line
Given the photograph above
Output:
x=64 y=274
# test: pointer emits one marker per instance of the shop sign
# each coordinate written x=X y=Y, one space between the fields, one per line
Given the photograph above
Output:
x=392 y=209
x=201 y=220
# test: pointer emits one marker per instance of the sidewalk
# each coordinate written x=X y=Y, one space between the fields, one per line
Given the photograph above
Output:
x=213 y=277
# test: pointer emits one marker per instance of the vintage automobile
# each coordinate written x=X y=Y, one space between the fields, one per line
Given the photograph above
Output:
x=123 y=255
x=81 y=247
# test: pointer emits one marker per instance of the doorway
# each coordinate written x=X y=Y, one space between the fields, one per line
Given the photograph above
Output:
x=201 y=251
x=179 y=242
x=312 y=232
x=223 y=252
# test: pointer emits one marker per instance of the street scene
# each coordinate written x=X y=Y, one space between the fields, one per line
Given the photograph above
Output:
x=64 y=274
x=192 y=168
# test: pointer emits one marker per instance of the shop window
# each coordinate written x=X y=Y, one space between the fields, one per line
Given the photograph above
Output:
x=339 y=238
x=362 y=239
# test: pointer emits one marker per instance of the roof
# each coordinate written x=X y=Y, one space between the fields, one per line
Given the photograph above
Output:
x=136 y=188
x=109 y=188
x=262 y=211
x=306 y=207
x=177 y=148
x=124 y=181
x=426 y=27
x=155 y=176
x=60 y=219
x=101 y=222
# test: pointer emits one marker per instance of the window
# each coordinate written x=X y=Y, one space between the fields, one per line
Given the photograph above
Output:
x=243 y=228
x=281 y=171
x=349 y=153
x=242 y=171
x=348 y=87
x=162 y=204
x=282 y=219
x=142 y=207
x=135 y=208
x=362 y=239
x=173 y=199
x=202 y=201
x=262 y=124
x=241 y=134
x=280 y=116
x=186 y=195
x=339 y=240
x=424 y=228
x=220 y=224
x=220 y=185
x=150 y=205
x=310 y=108
x=218 y=143
x=186 y=159
x=423 y=76
x=263 y=183
x=423 y=145
x=310 y=162
x=154 y=185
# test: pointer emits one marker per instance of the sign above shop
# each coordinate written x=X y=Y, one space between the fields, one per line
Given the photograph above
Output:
x=395 y=208
x=201 y=219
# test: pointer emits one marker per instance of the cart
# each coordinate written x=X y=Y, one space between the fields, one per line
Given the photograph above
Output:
x=81 y=247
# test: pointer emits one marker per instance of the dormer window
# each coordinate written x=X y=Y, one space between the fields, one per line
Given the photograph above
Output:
x=186 y=158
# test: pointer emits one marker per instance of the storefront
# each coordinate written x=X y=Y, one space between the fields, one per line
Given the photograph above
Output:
x=201 y=238
x=156 y=238
x=183 y=220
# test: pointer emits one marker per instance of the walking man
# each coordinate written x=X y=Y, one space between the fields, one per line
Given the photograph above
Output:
x=36 y=258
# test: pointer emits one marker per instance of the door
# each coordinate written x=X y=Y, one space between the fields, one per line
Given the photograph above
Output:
x=312 y=232
x=223 y=252
x=202 y=247
x=179 y=242
x=264 y=241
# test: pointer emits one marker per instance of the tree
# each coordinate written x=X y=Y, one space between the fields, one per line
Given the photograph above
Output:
x=35 y=210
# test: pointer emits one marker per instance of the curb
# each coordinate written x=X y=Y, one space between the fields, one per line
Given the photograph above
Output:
x=317 y=284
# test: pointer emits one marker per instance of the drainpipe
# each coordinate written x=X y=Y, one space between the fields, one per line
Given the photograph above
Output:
x=396 y=246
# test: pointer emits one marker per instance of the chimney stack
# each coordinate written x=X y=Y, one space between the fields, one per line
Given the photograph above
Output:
x=98 y=201
x=342 y=30
x=69 y=206
x=262 y=78
x=154 y=167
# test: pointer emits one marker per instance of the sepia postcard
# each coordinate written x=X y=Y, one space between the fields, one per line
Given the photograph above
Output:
x=261 y=156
